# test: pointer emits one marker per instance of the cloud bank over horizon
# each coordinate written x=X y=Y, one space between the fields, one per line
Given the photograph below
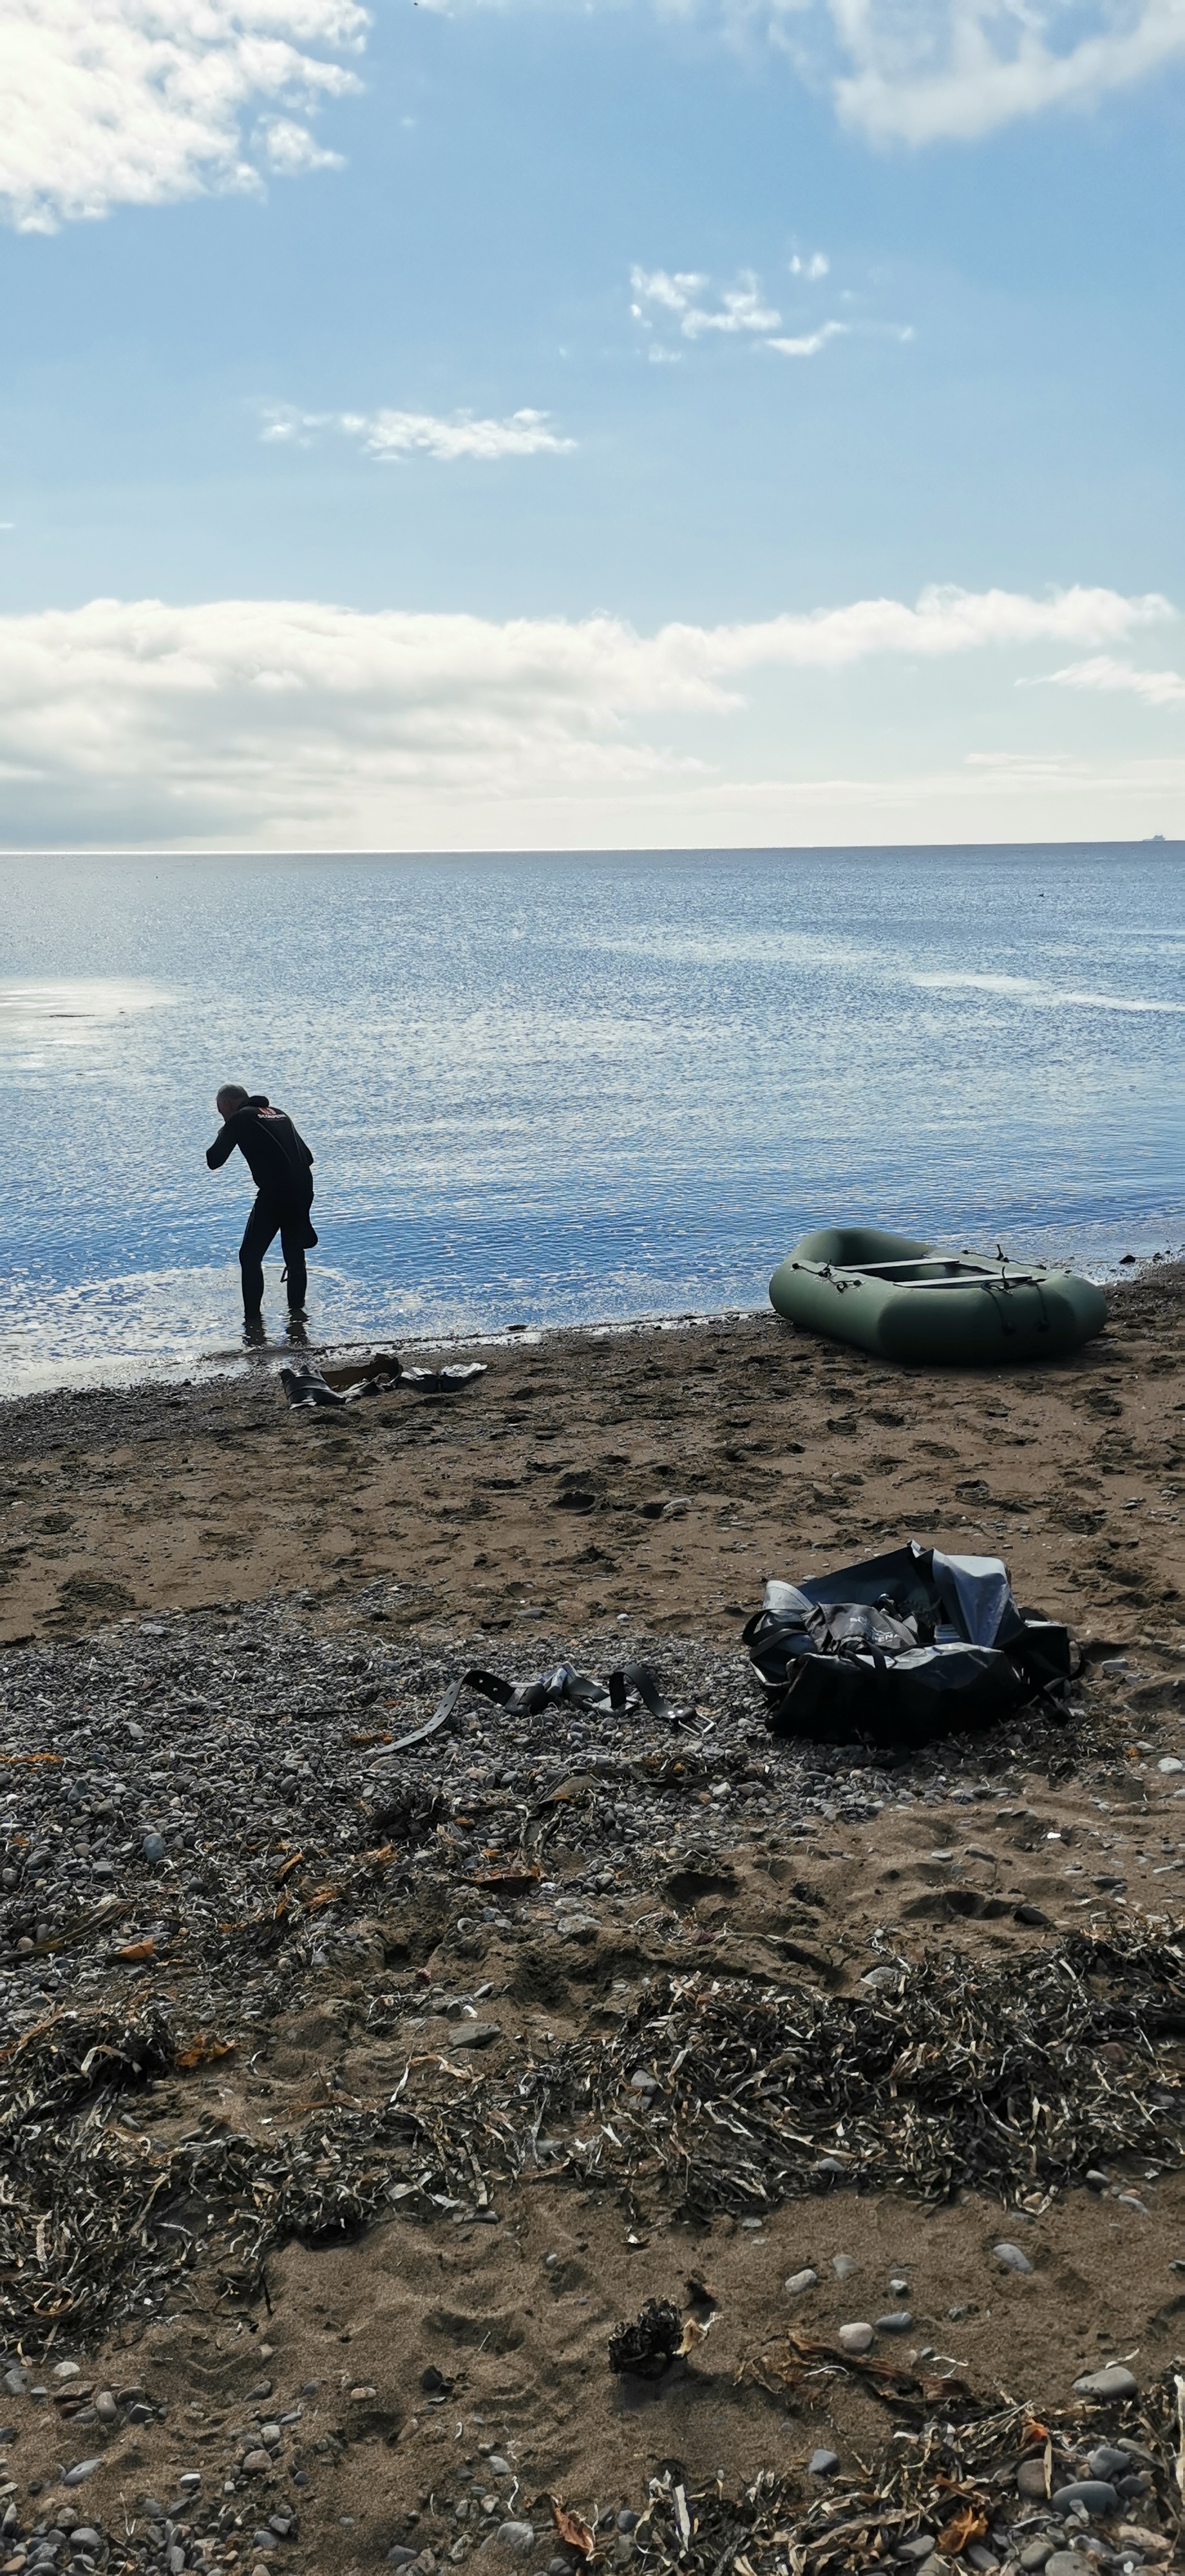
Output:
x=278 y=722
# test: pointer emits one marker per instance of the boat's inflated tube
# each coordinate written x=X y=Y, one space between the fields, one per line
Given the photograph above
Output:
x=906 y=1301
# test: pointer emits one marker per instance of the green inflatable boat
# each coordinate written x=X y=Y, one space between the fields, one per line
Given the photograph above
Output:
x=906 y=1301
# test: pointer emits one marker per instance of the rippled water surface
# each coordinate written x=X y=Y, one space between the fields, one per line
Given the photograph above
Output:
x=552 y=1090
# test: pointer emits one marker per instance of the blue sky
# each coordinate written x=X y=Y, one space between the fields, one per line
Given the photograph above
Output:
x=523 y=425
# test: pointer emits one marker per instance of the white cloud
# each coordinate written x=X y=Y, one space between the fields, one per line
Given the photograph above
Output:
x=389 y=435
x=812 y=341
x=289 y=720
x=291 y=150
x=1157 y=688
x=678 y=298
x=140 y=102
x=921 y=70
x=739 y=308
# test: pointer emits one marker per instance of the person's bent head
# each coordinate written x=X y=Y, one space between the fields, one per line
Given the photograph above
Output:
x=232 y=1097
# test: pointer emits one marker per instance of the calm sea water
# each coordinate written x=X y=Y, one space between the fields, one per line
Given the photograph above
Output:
x=551 y=1090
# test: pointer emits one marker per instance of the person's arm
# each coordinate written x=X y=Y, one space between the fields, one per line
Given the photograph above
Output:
x=222 y=1148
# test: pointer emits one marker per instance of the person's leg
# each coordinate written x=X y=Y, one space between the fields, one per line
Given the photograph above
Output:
x=292 y=1246
x=262 y=1227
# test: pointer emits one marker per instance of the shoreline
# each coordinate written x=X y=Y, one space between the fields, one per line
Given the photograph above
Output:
x=239 y=1361
x=117 y=1376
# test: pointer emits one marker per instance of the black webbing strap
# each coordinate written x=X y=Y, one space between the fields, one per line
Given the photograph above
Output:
x=562 y=1688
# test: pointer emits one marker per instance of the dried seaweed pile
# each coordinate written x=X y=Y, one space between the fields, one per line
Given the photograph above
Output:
x=955 y=2482
x=708 y=2098
x=949 y=2076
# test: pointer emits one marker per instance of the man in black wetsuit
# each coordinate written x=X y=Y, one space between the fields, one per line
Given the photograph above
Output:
x=281 y=1167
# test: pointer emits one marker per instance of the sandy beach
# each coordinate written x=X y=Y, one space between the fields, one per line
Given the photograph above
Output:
x=283 y=2011
x=658 y=1474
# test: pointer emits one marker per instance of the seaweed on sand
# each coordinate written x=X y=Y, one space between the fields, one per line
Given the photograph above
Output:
x=1013 y=2078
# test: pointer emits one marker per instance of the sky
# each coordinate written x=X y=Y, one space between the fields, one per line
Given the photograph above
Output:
x=491 y=424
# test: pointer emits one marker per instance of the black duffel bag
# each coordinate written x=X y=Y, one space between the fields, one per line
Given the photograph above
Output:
x=902 y=1648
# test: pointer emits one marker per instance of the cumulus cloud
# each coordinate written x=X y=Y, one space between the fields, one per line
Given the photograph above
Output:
x=1102 y=672
x=737 y=308
x=924 y=70
x=241 y=719
x=388 y=435
x=684 y=301
x=141 y=102
x=810 y=343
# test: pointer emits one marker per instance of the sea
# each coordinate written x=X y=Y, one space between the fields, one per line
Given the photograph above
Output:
x=555 y=1090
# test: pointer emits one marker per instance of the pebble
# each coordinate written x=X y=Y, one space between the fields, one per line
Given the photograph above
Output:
x=898 y=2321
x=257 y=2464
x=919 y=2547
x=1113 y=2382
x=67 y=2370
x=843 y=2266
x=1095 y=2495
x=517 y=2537
x=105 y=2406
x=1069 y=2562
x=1170 y=1763
x=1107 y=2462
x=497 y=2466
x=627 y=2520
x=856 y=2337
x=1035 y=2555
x=821 y=2464
x=1012 y=2257
x=799 y=2281
x=153 y=1847
x=81 y=2471
x=1030 y=2481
